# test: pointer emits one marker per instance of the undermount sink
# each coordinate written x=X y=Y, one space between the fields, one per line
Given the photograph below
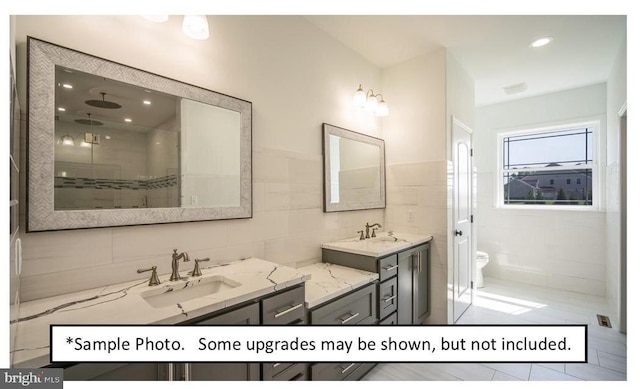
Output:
x=188 y=290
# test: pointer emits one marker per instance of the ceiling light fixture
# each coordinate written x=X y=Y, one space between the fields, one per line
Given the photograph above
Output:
x=146 y=102
x=128 y=120
x=196 y=26
x=541 y=41
x=62 y=109
x=67 y=86
x=369 y=101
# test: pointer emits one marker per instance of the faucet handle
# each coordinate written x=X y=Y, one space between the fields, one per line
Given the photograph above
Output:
x=373 y=232
x=196 y=269
x=153 y=280
x=361 y=234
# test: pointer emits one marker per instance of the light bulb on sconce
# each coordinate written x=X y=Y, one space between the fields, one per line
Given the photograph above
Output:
x=193 y=26
x=369 y=101
x=360 y=98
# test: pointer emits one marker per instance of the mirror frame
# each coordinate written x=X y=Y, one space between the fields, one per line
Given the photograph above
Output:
x=41 y=216
x=328 y=130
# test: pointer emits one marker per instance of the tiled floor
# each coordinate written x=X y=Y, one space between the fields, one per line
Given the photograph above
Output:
x=503 y=302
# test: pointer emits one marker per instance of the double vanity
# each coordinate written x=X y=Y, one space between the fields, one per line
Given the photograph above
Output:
x=382 y=280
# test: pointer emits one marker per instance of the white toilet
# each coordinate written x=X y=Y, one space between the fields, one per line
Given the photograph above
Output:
x=482 y=259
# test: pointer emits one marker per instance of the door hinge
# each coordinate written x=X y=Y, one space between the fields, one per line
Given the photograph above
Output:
x=471 y=218
x=471 y=152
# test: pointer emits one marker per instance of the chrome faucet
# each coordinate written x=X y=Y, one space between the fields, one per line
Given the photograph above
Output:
x=175 y=257
x=367 y=236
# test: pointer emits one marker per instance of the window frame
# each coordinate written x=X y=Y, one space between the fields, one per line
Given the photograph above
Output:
x=596 y=174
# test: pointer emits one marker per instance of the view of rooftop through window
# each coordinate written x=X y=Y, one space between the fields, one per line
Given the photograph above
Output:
x=548 y=168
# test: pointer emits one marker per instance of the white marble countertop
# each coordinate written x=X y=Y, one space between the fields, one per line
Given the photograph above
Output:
x=380 y=246
x=329 y=281
x=124 y=304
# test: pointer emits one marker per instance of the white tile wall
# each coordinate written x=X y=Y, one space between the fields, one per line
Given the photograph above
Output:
x=554 y=248
x=417 y=202
x=288 y=226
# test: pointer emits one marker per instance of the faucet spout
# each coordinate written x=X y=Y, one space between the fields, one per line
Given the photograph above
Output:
x=175 y=266
x=367 y=226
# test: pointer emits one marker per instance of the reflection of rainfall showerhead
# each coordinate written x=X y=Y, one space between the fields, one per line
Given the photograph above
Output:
x=103 y=103
x=88 y=122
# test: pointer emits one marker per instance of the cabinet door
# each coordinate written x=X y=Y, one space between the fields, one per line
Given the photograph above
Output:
x=227 y=371
x=421 y=281
x=405 y=287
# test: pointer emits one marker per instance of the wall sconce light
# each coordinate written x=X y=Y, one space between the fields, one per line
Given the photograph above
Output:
x=194 y=26
x=369 y=101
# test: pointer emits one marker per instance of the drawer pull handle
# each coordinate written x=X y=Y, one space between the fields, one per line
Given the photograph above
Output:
x=291 y=309
x=353 y=316
x=346 y=369
x=389 y=299
x=276 y=365
x=390 y=267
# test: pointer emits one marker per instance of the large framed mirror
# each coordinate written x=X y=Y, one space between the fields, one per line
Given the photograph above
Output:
x=354 y=170
x=111 y=145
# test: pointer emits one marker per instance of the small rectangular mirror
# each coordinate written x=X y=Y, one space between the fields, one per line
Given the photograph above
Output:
x=354 y=170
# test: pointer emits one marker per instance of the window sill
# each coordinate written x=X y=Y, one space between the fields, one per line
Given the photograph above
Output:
x=582 y=208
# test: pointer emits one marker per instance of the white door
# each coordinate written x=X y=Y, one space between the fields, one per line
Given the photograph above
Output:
x=462 y=239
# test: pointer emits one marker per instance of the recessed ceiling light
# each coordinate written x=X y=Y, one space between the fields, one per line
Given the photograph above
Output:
x=107 y=137
x=61 y=109
x=541 y=41
x=146 y=102
x=128 y=120
x=67 y=86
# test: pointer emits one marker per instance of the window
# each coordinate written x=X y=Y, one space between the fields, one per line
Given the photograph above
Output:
x=548 y=167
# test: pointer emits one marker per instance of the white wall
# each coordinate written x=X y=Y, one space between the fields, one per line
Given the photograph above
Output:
x=616 y=98
x=296 y=76
x=415 y=142
x=554 y=248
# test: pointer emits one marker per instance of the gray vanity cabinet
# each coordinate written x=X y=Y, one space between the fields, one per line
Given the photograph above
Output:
x=224 y=371
x=282 y=307
x=356 y=308
x=413 y=285
x=404 y=281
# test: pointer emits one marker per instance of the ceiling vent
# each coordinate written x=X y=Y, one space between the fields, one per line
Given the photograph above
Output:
x=515 y=88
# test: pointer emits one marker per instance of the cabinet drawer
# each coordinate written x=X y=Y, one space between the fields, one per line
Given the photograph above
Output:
x=333 y=371
x=388 y=267
x=284 y=371
x=391 y=320
x=284 y=308
x=388 y=297
x=358 y=307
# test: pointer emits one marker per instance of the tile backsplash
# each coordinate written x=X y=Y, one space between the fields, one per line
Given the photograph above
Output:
x=287 y=227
